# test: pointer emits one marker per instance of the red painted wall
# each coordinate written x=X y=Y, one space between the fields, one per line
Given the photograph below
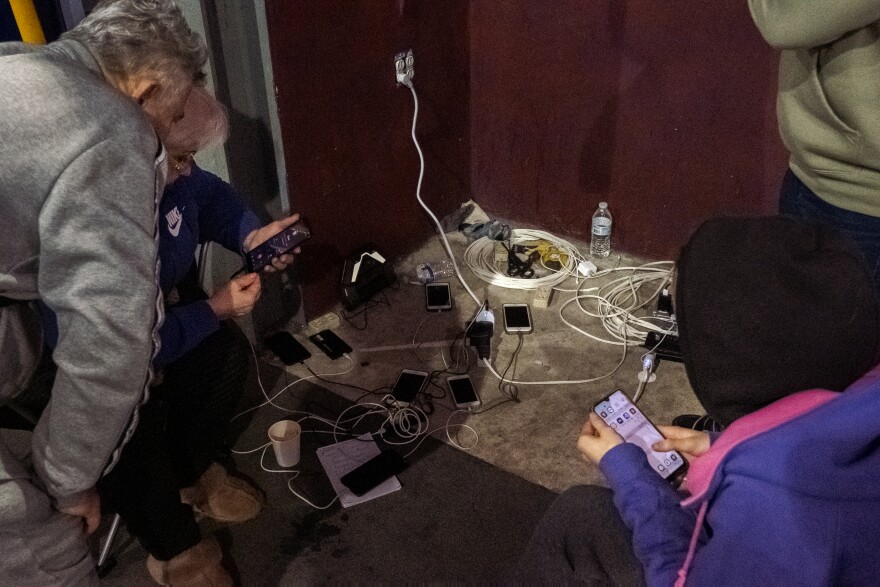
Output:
x=537 y=110
x=666 y=110
x=352 y=167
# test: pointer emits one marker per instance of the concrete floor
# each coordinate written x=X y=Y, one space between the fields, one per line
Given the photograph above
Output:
x=535 y=438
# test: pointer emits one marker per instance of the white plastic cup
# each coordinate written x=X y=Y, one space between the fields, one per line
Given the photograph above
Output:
x=285 y=436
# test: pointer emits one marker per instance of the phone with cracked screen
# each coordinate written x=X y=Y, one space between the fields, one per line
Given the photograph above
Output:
x=463 y=393
x=279 y=244
x=408 y=385
x=621 y=414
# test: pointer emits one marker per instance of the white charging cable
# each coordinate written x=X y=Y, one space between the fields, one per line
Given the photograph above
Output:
x=408 y=83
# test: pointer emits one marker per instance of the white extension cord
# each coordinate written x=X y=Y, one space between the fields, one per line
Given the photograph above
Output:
x=480 y=257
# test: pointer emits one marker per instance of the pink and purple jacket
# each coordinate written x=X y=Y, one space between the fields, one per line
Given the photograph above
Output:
x=787 y=495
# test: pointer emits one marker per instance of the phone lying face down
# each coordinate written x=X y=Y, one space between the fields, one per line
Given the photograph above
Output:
x=622 y=415
x=365 y=477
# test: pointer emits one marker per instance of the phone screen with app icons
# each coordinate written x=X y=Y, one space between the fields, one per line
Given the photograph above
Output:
x=620 y=413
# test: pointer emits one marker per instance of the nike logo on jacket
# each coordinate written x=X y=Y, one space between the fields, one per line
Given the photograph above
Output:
x=175 y=219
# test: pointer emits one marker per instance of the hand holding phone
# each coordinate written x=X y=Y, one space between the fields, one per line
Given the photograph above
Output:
x=597 y=438
x=690 y=443
x=273 y=242
x=619 y=414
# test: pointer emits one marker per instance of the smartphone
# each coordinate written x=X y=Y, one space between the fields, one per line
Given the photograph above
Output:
x=463 y=393
x=283 y=242
x=365 y=477
x=438 y=296
x=517 y=318
x=408 y=385
x=333 y=346
x=620 y=413
x=287 y=348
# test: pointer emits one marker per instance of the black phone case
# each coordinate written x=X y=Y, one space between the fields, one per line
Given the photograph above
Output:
x=281 y=243
x=287 y=348
x=333 y=346
x=373 y=472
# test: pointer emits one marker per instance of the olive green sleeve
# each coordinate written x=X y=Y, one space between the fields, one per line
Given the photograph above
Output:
x=792 y=24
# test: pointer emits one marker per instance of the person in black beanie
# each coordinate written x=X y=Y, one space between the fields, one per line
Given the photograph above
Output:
x=770 y=306
x=776 y=317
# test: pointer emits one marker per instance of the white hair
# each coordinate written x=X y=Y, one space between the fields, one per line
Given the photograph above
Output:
x=134 y=37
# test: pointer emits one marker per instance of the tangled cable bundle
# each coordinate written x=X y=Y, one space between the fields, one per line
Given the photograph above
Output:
x=618 y=301
x=480 y=257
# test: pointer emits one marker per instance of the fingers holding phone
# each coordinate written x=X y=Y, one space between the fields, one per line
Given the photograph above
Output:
x=596 y=439
x=690 y=443
x=272 y=247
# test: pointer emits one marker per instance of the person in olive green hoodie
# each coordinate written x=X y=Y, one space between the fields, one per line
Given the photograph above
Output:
x=828 y=108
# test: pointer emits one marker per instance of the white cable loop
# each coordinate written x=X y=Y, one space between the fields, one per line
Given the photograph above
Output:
x=480 y=257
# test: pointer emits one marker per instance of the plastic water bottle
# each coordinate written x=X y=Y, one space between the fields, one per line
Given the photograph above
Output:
x=600 y=242
x=434 y=271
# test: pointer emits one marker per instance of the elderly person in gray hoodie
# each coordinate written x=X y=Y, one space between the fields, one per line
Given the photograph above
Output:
x=81 y=172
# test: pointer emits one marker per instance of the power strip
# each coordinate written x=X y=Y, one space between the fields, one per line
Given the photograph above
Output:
x=328 y=321
x=542 y=298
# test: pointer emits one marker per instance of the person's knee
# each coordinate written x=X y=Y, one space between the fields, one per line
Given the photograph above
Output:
x=577 y=496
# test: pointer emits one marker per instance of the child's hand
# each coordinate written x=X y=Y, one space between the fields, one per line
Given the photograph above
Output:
x=690 y=443
x=597 y=438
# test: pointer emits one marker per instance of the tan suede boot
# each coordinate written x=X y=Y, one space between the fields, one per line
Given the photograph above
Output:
x=198 y=566
x=223 y=497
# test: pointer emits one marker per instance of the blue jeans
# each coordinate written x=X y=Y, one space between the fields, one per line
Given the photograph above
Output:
x=797 y=200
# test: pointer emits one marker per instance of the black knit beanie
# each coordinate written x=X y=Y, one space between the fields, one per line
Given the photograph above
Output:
x=768 y=307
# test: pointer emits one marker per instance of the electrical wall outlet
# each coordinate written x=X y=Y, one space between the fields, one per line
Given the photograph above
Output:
x=542 y=298
x=328 y=321
x=403 y=67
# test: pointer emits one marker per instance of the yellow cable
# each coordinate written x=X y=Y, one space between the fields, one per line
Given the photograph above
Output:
x=28 y=22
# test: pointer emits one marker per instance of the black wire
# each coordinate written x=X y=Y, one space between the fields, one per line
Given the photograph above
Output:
x=510 y=389
x=319 y=378
x=371 y=303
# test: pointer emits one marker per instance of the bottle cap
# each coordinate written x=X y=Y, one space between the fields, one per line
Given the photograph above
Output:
x=603 y=205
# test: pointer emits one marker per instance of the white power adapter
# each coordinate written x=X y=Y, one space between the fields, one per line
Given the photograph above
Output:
x=587 y=268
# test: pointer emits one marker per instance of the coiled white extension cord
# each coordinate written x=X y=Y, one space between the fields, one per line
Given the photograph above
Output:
x=480 y=257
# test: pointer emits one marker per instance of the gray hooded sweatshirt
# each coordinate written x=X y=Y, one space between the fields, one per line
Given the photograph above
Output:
x=81 y=172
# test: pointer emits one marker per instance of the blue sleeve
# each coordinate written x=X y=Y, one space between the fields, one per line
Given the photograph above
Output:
x=223 y=216
x=184 y=328
x=650 y=507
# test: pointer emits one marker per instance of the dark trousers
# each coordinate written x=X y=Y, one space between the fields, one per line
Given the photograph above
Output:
x=581 y=540
x=181 y=428
x=797 y=200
